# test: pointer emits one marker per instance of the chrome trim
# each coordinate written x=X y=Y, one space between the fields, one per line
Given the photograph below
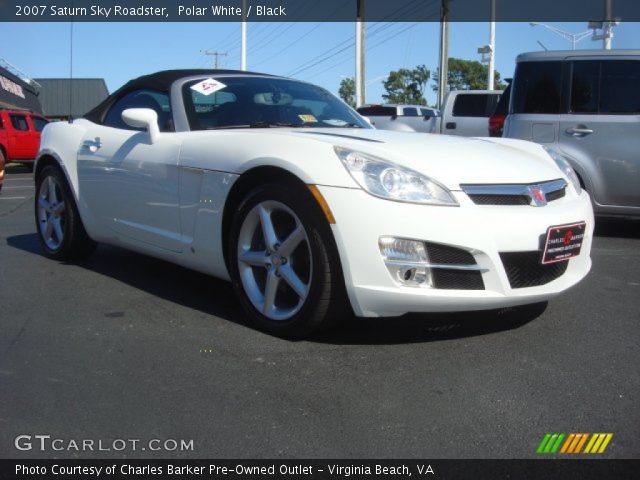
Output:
x=400 y=263
x=526 y=190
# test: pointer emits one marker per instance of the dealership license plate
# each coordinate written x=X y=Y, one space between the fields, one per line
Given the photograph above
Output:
x=563 y=242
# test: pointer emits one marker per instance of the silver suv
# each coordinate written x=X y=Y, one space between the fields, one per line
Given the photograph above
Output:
x=585 y=105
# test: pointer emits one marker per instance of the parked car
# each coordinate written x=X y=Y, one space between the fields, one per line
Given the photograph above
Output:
x=401 y=118
x=586 y=105
x=466 y=112
x=496 y=121
x=279 y=187
x=2 y=164
x=20 y=136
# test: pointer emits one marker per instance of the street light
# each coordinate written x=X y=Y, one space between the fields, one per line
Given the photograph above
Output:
x=572 y=37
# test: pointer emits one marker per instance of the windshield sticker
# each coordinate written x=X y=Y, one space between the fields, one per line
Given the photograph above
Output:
x=308 y=118
x=208 y=86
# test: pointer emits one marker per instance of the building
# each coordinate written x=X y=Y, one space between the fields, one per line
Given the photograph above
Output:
x=62 y=97
x=17 y=92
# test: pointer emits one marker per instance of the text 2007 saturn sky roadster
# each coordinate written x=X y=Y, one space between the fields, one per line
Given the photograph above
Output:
x=281 y=188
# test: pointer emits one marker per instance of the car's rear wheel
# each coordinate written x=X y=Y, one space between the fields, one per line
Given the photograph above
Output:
x=60 y=229
x=283 y=262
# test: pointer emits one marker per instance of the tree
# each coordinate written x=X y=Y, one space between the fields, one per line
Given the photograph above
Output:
x=468 y=75
x=407 y=86
x=347 y=91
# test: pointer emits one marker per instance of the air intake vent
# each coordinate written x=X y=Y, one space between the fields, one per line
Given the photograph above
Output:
x=525 y=270
x=453 y=279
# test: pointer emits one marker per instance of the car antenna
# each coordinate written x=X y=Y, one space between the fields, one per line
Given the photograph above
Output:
x=71 y=67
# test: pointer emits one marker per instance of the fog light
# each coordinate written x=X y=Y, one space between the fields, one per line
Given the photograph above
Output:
x=407 y=261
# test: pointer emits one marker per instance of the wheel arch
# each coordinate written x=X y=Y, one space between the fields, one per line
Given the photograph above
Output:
x=248 y=181
x=48 y=157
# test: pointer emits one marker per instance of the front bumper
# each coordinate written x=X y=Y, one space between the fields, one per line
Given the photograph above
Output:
x=485 y=231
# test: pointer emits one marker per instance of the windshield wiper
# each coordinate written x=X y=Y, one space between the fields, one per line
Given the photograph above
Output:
x=260 y=125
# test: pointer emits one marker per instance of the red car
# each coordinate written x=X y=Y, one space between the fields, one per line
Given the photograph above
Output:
x=1 y=170
x=19 y=136
x=496 y=121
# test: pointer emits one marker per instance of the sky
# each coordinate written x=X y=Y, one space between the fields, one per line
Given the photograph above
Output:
x=321 y=53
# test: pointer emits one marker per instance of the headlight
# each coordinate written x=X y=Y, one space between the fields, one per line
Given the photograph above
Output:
x=566 y=168
x=385 y=179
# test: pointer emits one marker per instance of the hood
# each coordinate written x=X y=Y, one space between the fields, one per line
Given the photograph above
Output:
x=447 y=159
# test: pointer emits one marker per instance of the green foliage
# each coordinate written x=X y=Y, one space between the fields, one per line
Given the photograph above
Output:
x=407 y=86
x=468 y=75
x=347 y=91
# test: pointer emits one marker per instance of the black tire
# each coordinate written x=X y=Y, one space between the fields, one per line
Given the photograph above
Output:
x=326 y=303
x=75 y=244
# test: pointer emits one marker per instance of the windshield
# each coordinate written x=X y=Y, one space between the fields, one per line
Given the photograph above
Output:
x=262 y=102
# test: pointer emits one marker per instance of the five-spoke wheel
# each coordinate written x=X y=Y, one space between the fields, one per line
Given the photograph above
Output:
x=51 y=212
x=60 y=229
x=284 y=263
x=274 y=259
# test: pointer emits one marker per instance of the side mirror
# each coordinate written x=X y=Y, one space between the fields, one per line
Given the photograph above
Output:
x=143 y=118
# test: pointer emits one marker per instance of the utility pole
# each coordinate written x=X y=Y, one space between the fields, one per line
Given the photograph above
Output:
x=492 y=46
x=607 y=28
x=243 y=37
x=360 y=49
x=443 y=68
x=215 y=54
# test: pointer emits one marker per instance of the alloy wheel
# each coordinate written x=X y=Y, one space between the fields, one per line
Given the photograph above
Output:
x=51 y=213
x=274 y=260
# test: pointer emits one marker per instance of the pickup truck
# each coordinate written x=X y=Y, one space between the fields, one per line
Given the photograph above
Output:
x=402 y=118
x=464 y=112
x=20 y=136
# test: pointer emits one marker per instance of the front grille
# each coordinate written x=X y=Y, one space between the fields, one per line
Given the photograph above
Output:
x=445 y=254
x=492 y=199
x=551 y=196
x=525 y=270
x=457 y=279
x=452 y=279
x=516 y=194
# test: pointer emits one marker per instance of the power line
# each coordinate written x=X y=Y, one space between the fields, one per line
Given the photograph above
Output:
x=291 y=44
x=216 y=54
x=381 y=42
x=327 y=54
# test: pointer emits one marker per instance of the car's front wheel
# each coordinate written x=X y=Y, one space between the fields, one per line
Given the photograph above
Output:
x=283 y=262
x=60 y=229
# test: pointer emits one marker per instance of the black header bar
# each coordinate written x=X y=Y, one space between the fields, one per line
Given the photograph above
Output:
x=312 y=10
x=319 y=469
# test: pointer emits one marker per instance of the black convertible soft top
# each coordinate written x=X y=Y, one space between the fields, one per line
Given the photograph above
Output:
x=159 y=81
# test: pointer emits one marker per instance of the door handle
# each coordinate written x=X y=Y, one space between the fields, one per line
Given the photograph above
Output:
x=92 y=145
x=450 y=125
x=579 y=131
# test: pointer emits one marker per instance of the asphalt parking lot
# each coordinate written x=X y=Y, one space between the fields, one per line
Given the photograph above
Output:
x=128 y=347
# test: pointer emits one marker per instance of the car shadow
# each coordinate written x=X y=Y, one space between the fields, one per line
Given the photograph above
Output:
x=159 y=278
x=617 y=228
x=14 y=168
x=211 y=296
x=430 y=327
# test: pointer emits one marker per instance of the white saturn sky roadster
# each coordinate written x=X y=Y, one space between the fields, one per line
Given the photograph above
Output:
x=284 y=190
